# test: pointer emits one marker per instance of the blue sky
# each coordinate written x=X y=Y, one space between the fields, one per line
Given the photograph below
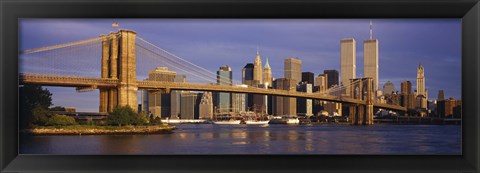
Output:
x=403 y=44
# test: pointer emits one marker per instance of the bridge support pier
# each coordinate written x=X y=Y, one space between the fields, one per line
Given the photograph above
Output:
x=362 y=89
x=119 y=62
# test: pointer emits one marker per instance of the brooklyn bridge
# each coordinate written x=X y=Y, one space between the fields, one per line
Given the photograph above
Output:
x=115 y=64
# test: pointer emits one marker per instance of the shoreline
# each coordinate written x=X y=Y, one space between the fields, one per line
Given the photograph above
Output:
x=100 y=130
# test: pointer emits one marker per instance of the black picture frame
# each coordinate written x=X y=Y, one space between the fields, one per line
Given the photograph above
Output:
x=467 y=10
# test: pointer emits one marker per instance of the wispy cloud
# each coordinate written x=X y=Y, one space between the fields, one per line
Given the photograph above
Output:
x=403 y=44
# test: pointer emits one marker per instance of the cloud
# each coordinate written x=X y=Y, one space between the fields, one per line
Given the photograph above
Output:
x=403 y=44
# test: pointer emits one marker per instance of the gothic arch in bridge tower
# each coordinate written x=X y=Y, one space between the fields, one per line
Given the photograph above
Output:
x=119 y=62
x=361 y=89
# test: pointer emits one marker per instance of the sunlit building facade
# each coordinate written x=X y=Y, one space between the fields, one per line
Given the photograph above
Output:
x=348 y=61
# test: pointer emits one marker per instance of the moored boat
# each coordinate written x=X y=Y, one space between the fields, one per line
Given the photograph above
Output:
x=256 y=122
x=287 y=119
x=227 y=122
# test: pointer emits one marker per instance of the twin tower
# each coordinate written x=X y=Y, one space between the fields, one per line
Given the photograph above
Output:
x=348 y=61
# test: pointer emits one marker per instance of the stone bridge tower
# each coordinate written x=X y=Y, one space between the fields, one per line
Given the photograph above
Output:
x=362 y=89
x=119 y=62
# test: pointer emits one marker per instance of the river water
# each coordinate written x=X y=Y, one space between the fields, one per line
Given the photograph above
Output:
x=260 y=139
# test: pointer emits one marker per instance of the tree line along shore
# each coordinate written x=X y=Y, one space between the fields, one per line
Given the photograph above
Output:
x=36 y=117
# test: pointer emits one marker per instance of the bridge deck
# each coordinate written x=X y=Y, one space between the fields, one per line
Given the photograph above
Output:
x=74 y=81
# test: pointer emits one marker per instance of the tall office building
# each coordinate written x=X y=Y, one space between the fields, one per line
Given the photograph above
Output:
x=388 y=88
x=421 y=81
x=223 y=99
x=450 y=108
x=175 y=98
x=304 y=106
x=348 y=61
x=422 y=93
x=181 y=78
x=407 y=97
x=224 y=75
x=332 y=77
x=308 y=77
x=248 y=74
x=257 y=69
x=247 y=79
x=162 y=74
x=267 y=74
x=370 y=59
x=406 y=87
x=284 y=105
x=159 y=103
x=205 y=107
x=239 y=102
x=441 y=95
x=322 y=82
x=293 y=69
x=190 y=102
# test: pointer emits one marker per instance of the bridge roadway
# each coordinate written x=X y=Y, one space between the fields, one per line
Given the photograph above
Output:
x=74 y=81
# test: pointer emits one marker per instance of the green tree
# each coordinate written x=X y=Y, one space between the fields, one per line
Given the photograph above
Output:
x=90 y=121
x=39 y=116
x=61 y=120
x=120 y=116
x=151 y=118
x=57 y=108
x=157 y=120
x=30 y=97
x=140 y=119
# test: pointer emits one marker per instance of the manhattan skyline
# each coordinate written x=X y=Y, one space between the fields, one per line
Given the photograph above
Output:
x=403 y=45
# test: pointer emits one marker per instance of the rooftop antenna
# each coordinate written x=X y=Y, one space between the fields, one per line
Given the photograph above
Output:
x=371 y=29
x=257 y=49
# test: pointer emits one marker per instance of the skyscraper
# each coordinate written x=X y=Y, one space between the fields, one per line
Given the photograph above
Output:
x=322 y=82
x=422 y=93
x=348 y=61
x=332 y=77
x=181 y=78
x=159 y=103
x=406 y=87
x=388 y=88
x=284 y=105
x=407 y=97
x=247 y=79
x=175 y=98
x=441 y=95
x=267 y=74
x=421 y=81
x=293 y=69
x=189 y=105
x=370 y=59
x=239 y=102
x=224 y=77
x=162 y=74
x=304 y=106
x=449 y=108
x=308 y=77
x=247 y=75
x=257 y=69
x=206 y=106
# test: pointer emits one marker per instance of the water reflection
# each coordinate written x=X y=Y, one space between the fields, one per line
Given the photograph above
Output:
x=248 y=139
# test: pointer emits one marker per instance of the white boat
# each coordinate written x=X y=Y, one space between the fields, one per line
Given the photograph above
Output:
x=256 y=122
x=286 y=119
x=227 y=122
x=293 y=121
